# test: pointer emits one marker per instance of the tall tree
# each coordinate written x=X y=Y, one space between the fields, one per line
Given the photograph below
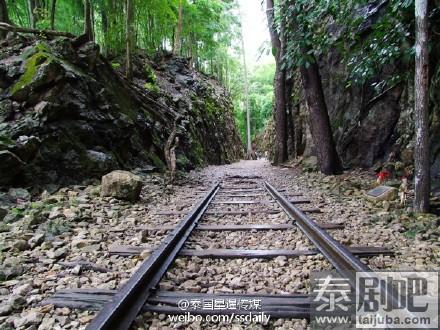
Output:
x=300 y=39
x=88 y=29
x=178 y=33
x=279 y=87
x=52 y=14
x=4 y=17
x=249 y=153
x=129 y=37
x=32 y=15
x=422 y=164
x=328 y=159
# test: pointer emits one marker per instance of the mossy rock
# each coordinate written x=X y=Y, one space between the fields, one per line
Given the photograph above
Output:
x=152 y=87
x=32 y=76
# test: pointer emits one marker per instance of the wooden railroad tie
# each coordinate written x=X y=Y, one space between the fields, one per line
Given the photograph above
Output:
x=360 y=251
x=227 y=202
x=243 y=227
x=275 y=305
x=249 y=212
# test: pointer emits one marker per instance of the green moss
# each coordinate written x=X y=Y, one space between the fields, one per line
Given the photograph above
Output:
x=150 y=75
x=31 y=67
x=116 y=65
x=152 y=88
x=57 y=227
x=6 y=142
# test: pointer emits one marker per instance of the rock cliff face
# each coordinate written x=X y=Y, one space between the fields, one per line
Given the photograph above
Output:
x=373 y=129
x=67 y=115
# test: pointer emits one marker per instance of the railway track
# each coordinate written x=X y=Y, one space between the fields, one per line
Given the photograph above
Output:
x=233 y=198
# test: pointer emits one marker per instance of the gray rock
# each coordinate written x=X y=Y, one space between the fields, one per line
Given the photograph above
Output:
x=101 y=161
x=36 y=240
x=35 y=217
x=20 y=245
x=122 y=185
x=16 y=301
x=11 y=217
x=31 y=318
x=22 y=290
x=26 y=147
x=47 y=324
x=4 y=228
x=56 y=254
x=5 y=309
x=16 y=194
x=8 y=271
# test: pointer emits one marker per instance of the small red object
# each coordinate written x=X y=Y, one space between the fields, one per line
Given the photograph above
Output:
x=382 y=176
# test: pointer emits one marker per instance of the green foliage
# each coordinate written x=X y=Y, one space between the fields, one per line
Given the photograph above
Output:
x=210 y=39
x=209 y=27
x=368 y=38
x=70 y=14
x=57 y=227
x=6 y=142
x=152 y=87
x=17 y=212
x=31 y=67
x=150 y=75
x=260 y=100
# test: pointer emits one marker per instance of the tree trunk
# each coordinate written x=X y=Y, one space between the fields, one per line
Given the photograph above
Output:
x=178 y=34
x=249 y=153
x=328 y=159
x=32 y=17
x=279 y=89
x=129 y=34
x=290 y=119
x=92 y=22
x=421 y=154
x=298 y=140
x=4 y=17
x=52 y=14
x=104 y=27
x=88 y=30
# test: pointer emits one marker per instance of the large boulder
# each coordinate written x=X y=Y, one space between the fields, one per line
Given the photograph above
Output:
x=122 y=185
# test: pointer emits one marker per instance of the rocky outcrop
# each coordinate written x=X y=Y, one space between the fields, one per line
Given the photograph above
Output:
x=67 y=115
x=374 y=127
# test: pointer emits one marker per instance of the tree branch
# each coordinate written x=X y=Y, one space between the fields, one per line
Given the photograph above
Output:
x=48 y=33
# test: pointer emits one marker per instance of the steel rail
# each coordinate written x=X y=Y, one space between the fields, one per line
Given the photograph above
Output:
x=339 y=256
x=128 y=302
